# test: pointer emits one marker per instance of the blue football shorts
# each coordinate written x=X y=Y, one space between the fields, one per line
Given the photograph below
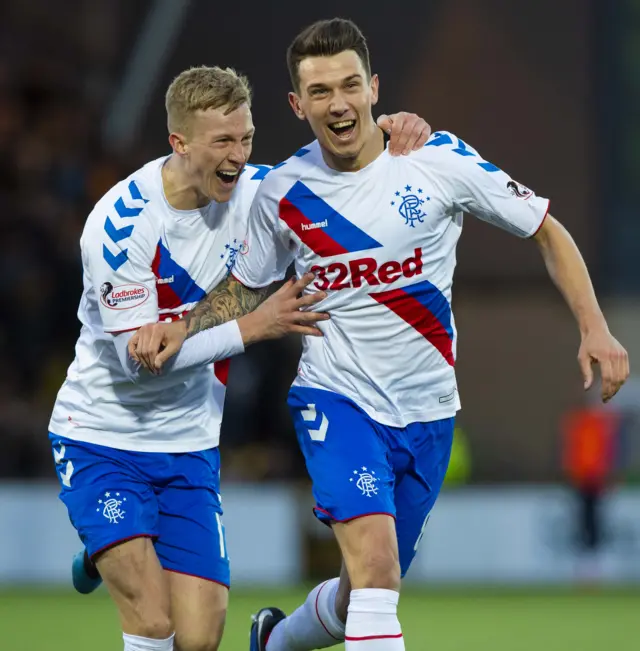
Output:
x=360 y=467
x=174 y=498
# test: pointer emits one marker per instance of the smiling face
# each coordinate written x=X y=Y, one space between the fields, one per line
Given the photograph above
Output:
x=210 y=131
x=216 y=150
x=335 y=96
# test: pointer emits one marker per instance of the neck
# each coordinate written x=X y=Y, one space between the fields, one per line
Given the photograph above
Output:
x=179 y=190
x=373 y=147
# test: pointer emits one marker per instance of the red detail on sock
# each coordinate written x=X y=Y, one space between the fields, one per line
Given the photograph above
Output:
x=320 y=618
x=372 y=637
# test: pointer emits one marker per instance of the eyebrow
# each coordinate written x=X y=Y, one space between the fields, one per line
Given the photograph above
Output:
x=228 y=136
x=356 y=75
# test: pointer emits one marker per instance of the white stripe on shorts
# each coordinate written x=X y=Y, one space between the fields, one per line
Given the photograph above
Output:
x=221 y=534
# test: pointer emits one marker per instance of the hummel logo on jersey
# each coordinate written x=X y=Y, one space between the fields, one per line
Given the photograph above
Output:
x=165 y=281
x=367 y=270
x=309 y=227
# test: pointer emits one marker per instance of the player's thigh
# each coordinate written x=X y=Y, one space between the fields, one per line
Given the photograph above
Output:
x=139 y=587
x=417 y=491
x=192 y=549
x=107 y=498
x=369 y=548
x=346 y=459
x=192 y=537
x=198 y=609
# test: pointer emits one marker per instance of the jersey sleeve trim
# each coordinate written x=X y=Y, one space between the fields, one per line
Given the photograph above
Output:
x=121 y=332
x=544 y=219
x=117 y=331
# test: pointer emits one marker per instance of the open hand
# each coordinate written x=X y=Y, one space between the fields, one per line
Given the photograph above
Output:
x=407 y=132
x=284 y=313
x=601 y=347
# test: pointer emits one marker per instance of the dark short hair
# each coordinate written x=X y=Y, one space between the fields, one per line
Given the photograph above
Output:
x=323 y=39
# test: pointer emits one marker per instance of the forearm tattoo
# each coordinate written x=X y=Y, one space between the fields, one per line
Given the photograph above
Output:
x=229 y=300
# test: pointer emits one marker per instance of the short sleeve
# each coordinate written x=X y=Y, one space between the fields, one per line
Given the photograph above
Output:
x=267 y=251
x=481 y=188
x=118 y=256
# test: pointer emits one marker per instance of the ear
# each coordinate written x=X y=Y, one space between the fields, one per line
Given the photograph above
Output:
x=374 y=84
x=294 y=102
x=179 y=144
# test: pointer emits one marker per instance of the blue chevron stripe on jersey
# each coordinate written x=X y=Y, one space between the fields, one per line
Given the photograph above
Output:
x=462 y=149
x=135 y=192
x=489 y=167
x=117 y=234
x=260 y=173
x=114 y=261
x=125 y=211
x=439 y=139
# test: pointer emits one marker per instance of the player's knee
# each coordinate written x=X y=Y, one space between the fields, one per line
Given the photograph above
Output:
x=155 y=627
x=377 y=570
x=141 y=617
x=195 y=642
x=204 y=637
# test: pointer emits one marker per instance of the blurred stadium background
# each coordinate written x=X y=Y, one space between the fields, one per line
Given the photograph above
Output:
x=536 y=540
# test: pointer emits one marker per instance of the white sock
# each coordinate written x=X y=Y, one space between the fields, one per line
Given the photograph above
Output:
x=135 y=643
x=372 y=621
x=314 y=625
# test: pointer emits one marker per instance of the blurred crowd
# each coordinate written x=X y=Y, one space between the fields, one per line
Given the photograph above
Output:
x=54 y=86
x=60 y=67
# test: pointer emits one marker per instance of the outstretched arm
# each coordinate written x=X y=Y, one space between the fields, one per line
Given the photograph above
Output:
x=483 y=189
x=569 y=273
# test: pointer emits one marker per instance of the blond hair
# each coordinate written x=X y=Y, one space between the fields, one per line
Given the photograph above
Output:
x=202 y=88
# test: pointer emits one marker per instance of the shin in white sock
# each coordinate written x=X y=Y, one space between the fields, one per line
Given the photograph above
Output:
x=314 y=625
x=135 y=643
x=372 y=621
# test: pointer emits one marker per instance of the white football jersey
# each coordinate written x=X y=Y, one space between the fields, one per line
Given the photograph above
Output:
x=143 y=262
x=382 y=242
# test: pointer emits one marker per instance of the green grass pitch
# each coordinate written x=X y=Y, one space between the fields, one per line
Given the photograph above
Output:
x=471 y=620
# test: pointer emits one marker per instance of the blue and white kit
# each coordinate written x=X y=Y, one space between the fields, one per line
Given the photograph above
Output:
x=374 y=398
x=138 y=456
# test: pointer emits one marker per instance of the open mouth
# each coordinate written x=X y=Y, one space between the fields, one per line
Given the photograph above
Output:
x=343 y=129
x=228 y=177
